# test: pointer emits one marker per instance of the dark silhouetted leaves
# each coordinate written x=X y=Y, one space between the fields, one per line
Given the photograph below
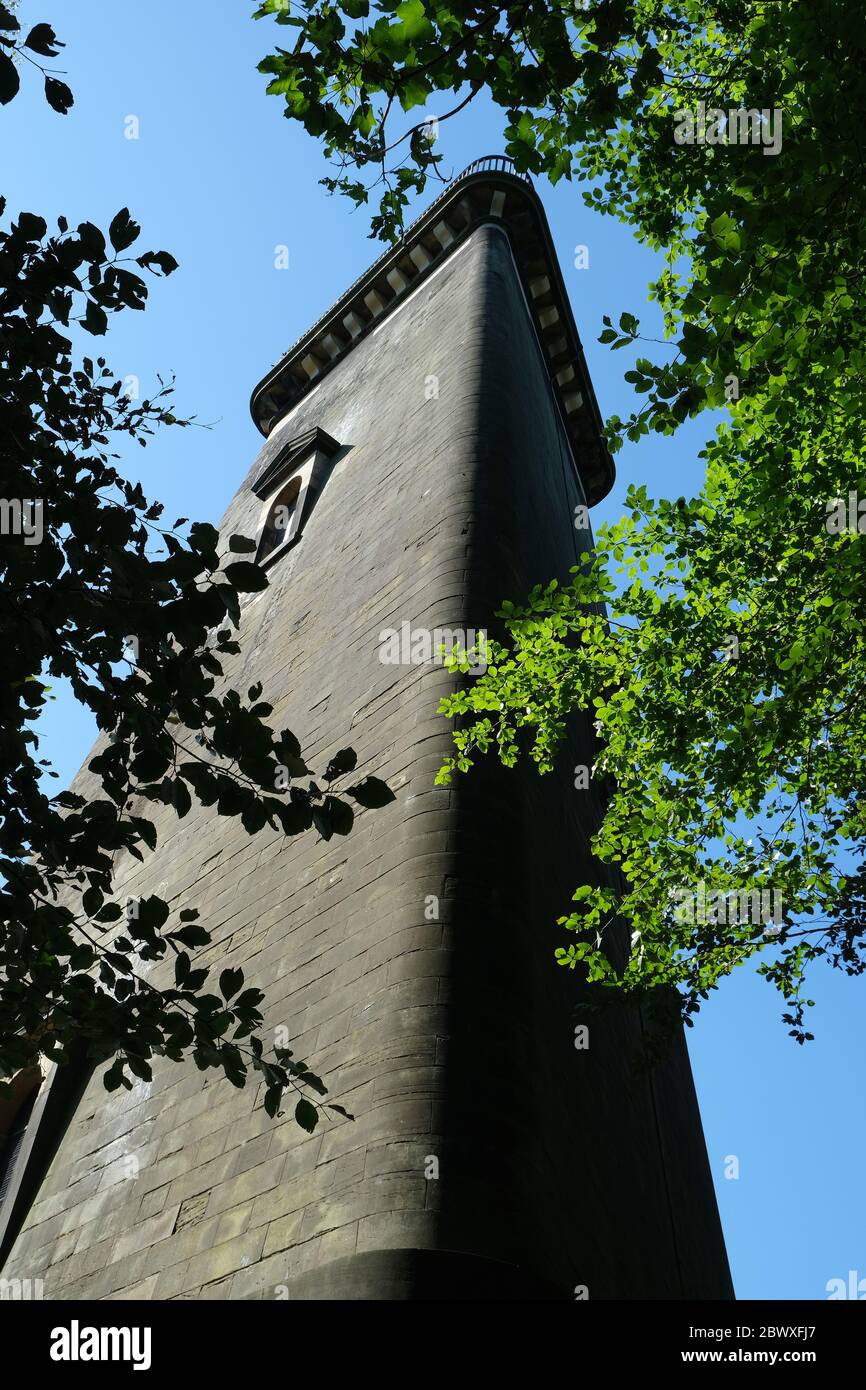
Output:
x=344 y=761
x=230 y=983
x=123 y=231
x=306 y=1115
x=246 y=576
x=9 y=79
x=82 y=962
x=42 y=39
x=161 y=260
x=58 y=95
x=372 y=792
x=95 y=320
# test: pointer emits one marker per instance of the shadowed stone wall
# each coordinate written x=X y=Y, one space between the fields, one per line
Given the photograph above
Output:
x=449 y=1039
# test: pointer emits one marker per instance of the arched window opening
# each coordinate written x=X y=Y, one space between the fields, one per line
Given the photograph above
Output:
x=280 y=522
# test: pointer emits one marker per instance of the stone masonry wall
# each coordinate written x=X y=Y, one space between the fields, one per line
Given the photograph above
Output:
x=450 y=1039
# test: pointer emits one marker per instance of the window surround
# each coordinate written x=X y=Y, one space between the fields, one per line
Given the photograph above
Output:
x=293 y=478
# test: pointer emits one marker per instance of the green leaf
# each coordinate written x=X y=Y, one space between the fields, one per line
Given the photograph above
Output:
x=413 y=24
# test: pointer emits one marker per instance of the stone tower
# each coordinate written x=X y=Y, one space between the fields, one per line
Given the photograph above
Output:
x=428 y=440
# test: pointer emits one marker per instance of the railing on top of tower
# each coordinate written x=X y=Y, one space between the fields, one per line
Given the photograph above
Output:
x=493 y=164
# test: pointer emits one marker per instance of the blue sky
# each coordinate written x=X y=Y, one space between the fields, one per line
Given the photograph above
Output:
x=220 y=179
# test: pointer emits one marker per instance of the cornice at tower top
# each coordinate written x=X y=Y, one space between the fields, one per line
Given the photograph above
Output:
x=487 y=192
